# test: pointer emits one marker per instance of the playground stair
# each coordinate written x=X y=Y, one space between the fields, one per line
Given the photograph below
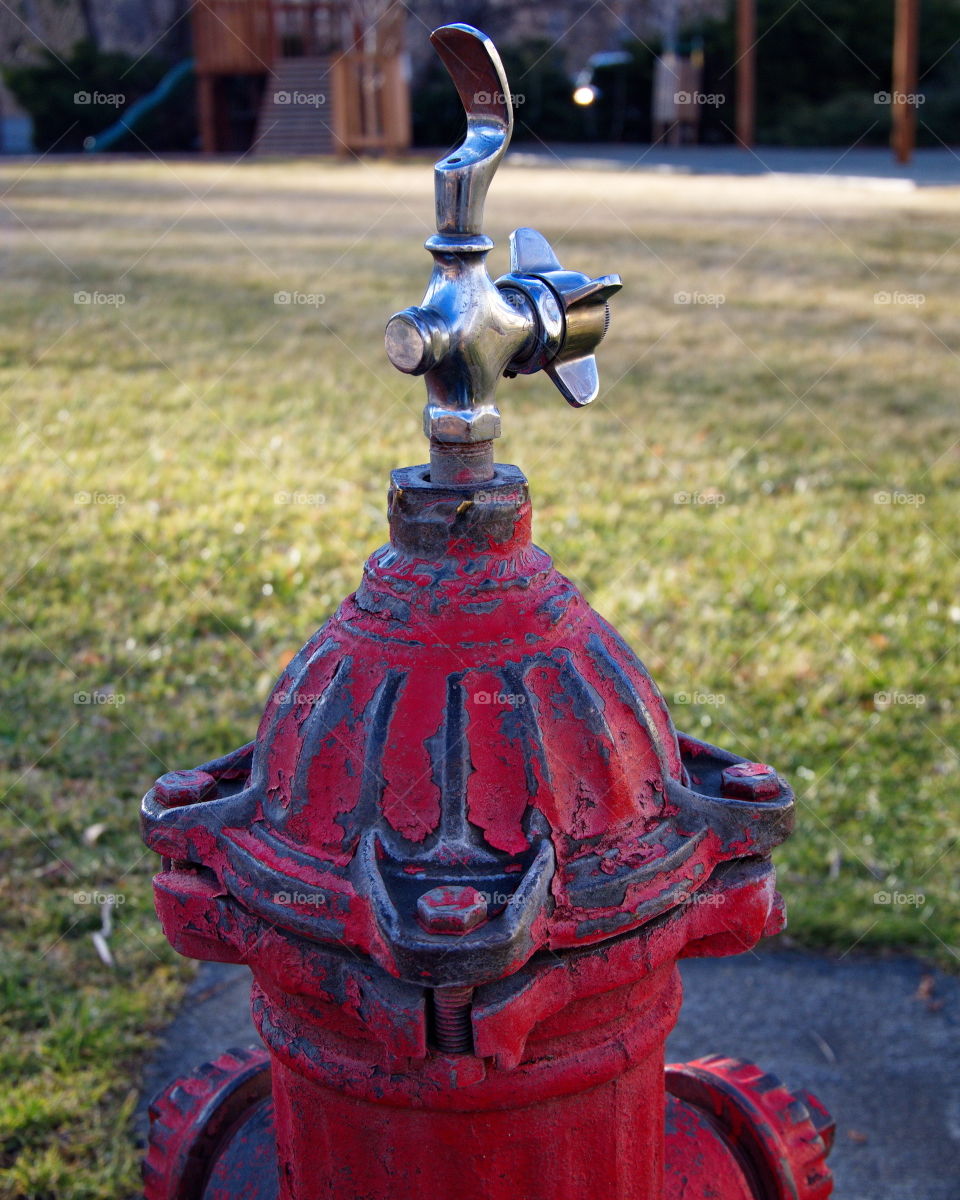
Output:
x=296 y=112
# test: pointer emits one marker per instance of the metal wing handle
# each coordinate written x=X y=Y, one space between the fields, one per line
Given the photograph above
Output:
x=568 y=357
x=461 y=178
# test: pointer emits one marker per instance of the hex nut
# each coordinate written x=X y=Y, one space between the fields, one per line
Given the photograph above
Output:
x=451 y=909
x=750 y=781
x=479 y=424
x=177 y=788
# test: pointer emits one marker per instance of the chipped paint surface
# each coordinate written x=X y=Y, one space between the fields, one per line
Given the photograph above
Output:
x=467 y=803
x=466 y=704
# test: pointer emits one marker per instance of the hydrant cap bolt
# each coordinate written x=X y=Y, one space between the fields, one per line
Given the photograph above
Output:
x=750 y=781
x=177 y=788
x=451 y=909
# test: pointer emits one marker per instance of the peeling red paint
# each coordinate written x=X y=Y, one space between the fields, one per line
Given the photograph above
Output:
x=466 y=725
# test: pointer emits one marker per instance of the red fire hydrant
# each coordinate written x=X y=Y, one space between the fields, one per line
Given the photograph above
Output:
x=467 y=847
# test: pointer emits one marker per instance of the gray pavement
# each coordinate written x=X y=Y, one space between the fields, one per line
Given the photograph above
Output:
x=877 y=1039
x=929 y=168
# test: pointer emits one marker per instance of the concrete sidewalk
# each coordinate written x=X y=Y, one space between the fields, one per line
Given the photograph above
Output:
x=877 y=1040
x=929 y=168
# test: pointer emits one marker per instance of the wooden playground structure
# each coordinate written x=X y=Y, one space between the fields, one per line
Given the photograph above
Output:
x=301 y=76
x=293 y=77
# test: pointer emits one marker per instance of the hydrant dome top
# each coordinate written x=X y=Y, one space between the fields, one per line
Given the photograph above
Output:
x=465 y=721
x=466 y=711
x=439 y=729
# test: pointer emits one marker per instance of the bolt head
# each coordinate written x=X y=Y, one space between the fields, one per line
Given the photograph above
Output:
x=451 y=909
x=177 y=788
x=750 y=781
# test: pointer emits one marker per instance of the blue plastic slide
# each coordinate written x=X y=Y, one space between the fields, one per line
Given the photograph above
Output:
x=113 y=133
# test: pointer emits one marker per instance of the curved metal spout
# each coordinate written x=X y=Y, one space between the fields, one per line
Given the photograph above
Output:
x=462 y=177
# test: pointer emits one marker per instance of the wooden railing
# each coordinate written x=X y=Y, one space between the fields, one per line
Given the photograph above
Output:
x=371 y=102
x=307 y=30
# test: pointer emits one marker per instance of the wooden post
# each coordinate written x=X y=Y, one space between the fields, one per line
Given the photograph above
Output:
x=206 y=105
x=397 y=104
x=746 y=72
x=903 y=102
x=341 y=74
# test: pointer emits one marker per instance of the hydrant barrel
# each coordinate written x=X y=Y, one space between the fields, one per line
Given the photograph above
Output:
x=491 y=1134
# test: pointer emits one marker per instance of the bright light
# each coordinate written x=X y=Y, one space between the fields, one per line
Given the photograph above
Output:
x=584 y=95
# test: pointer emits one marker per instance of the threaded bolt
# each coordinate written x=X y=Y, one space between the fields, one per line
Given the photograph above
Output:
x=451 y=1010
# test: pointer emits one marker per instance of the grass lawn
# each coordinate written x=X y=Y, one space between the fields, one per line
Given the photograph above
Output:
x=764 y=501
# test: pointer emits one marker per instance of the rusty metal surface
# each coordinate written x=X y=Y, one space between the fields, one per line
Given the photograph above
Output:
x=728 y=1131
x=464 y=718
x=192 y=1123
